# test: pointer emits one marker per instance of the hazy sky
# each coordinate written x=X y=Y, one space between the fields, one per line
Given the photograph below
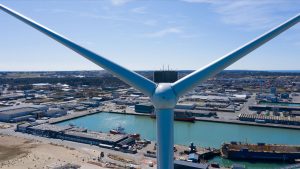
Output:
x=147 y=34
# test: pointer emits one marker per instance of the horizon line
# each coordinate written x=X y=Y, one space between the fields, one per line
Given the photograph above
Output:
x=257 y=70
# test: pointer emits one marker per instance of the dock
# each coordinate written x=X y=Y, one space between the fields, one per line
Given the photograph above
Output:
x=248 y=123
x=72 y=116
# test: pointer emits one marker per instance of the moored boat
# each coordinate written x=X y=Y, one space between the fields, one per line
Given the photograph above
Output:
x=180 y=117
x=135 y=136
x=118 y=130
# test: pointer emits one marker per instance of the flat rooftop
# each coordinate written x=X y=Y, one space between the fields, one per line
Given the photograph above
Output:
x=17 y=110
x=50 y=127
x=21 y=108
x=97 y=135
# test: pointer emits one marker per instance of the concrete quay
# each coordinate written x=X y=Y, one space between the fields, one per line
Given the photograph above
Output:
x=248 y=123
x=73 y=116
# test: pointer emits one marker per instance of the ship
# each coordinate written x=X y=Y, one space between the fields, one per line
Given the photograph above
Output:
x=260 y=152
x=136 y=136
x=121 y=130
x=184 y=117
x=180 y=117
x=118 y=130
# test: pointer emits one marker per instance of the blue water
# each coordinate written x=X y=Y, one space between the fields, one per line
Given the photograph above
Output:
x=281 y=104
x=205 y=134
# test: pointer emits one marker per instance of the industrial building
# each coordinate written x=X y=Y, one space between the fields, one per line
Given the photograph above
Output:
x=76 y=134
x=11 y=97
x=185 y=106
x=295 y=113
x=218 y=98
x=55 y=112
x=165 y=76
x=269 y=119
x=144 y=108
x=93 y=138
x=272 y=107
x=45 y=130
x=90 y=103
x=208 y=98
x=21 y=112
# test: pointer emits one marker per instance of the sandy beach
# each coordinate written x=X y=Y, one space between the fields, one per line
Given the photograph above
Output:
x=21 y=153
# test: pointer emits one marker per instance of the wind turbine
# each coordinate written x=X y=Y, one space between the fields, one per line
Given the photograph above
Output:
x=164 y=96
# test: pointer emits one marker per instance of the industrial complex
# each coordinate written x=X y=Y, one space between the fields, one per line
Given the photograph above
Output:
x=35 y=107
x=36 y=111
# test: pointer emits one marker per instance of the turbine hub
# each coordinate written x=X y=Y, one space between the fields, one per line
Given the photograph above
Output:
x=164 y=96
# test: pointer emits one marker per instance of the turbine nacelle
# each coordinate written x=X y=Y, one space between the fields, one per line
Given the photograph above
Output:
x=164 y=97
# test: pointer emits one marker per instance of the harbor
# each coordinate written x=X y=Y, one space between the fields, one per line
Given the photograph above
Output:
x=185 y=133
x=105 y=121
x=99 y=129
x=205 y=119
x=58 y=112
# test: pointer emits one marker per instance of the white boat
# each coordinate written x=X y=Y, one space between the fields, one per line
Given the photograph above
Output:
x=118 y=130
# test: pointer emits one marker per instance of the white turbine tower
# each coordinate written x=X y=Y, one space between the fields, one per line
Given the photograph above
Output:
x=164 y=96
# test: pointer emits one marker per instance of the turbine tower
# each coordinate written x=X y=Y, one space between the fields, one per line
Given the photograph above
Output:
x=164 y=96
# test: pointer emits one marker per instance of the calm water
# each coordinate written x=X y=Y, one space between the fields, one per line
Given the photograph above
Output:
x=205 y=134
x=281 y=104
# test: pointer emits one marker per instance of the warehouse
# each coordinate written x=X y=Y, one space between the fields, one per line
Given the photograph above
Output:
x=21 y=112
x=93 y=138
x=73 y=134
x=272 y=107
x=47 y=130
x=185 y=106
x=269 y=119
x=11 y=97
x=54 y=112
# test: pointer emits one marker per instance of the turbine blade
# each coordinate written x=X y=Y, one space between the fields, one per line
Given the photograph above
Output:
x=139 y=82
x=190 y=81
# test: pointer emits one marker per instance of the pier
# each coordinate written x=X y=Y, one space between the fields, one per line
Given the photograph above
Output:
x=72 y=116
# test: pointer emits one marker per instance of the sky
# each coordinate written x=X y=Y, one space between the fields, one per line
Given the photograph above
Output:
x=148 y=34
